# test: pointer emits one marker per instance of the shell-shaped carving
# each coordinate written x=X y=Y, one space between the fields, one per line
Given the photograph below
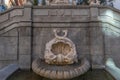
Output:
x=60 y=48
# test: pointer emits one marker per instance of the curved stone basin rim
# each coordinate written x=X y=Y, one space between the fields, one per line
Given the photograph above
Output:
x=60 y=72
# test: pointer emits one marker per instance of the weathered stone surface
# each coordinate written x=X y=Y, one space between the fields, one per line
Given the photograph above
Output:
x=25 y=31
x=40 y=39
x=12 y=41
x=94 y=11
x=11 y=33
x=80 y=12
x=8 y=48
x=42 y=72
x=47 y=73
x=60 y=72
x=96 y=40
x=60 y=12
x=67 y=12
x=4 y=17
x=54 y=74
x=61 y=25
x=37 y=49
x=17 y=12
x=53 y=12
x=98 y=61
x=9 y=57
x=84 y=12
x=27 y=13
x=25 y=61
x=42 y=12
x=97 y=47
x=87 y=31
x=25 y=45
x=61 y=19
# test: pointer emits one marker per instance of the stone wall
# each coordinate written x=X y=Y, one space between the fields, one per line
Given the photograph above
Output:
x=24 y=32
x=15 y=37
x=111 y=31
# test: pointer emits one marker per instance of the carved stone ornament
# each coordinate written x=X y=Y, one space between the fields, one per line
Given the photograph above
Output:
x=60 y=59
x=94 y=2
x=60 y=2
x=60 y=50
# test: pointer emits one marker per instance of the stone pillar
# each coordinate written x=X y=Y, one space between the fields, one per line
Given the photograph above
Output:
x=96 y=39
x=25 y=40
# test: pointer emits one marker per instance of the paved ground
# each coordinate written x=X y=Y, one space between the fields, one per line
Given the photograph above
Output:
x=90 y=75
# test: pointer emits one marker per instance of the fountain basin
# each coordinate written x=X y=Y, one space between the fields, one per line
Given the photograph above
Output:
x=41 y=68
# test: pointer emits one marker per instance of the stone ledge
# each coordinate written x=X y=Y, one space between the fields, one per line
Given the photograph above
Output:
x=61 y=7
x=111 y=67
x=7 y=71
x=108 y=7
x=13 y=25
x=10 y=9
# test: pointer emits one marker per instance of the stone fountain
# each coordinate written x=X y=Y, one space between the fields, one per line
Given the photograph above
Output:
x=60 y=59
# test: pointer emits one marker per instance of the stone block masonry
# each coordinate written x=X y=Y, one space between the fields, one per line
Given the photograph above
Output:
x=24 y=31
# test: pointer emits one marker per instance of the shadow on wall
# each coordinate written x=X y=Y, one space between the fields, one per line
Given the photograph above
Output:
x=112 y=68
